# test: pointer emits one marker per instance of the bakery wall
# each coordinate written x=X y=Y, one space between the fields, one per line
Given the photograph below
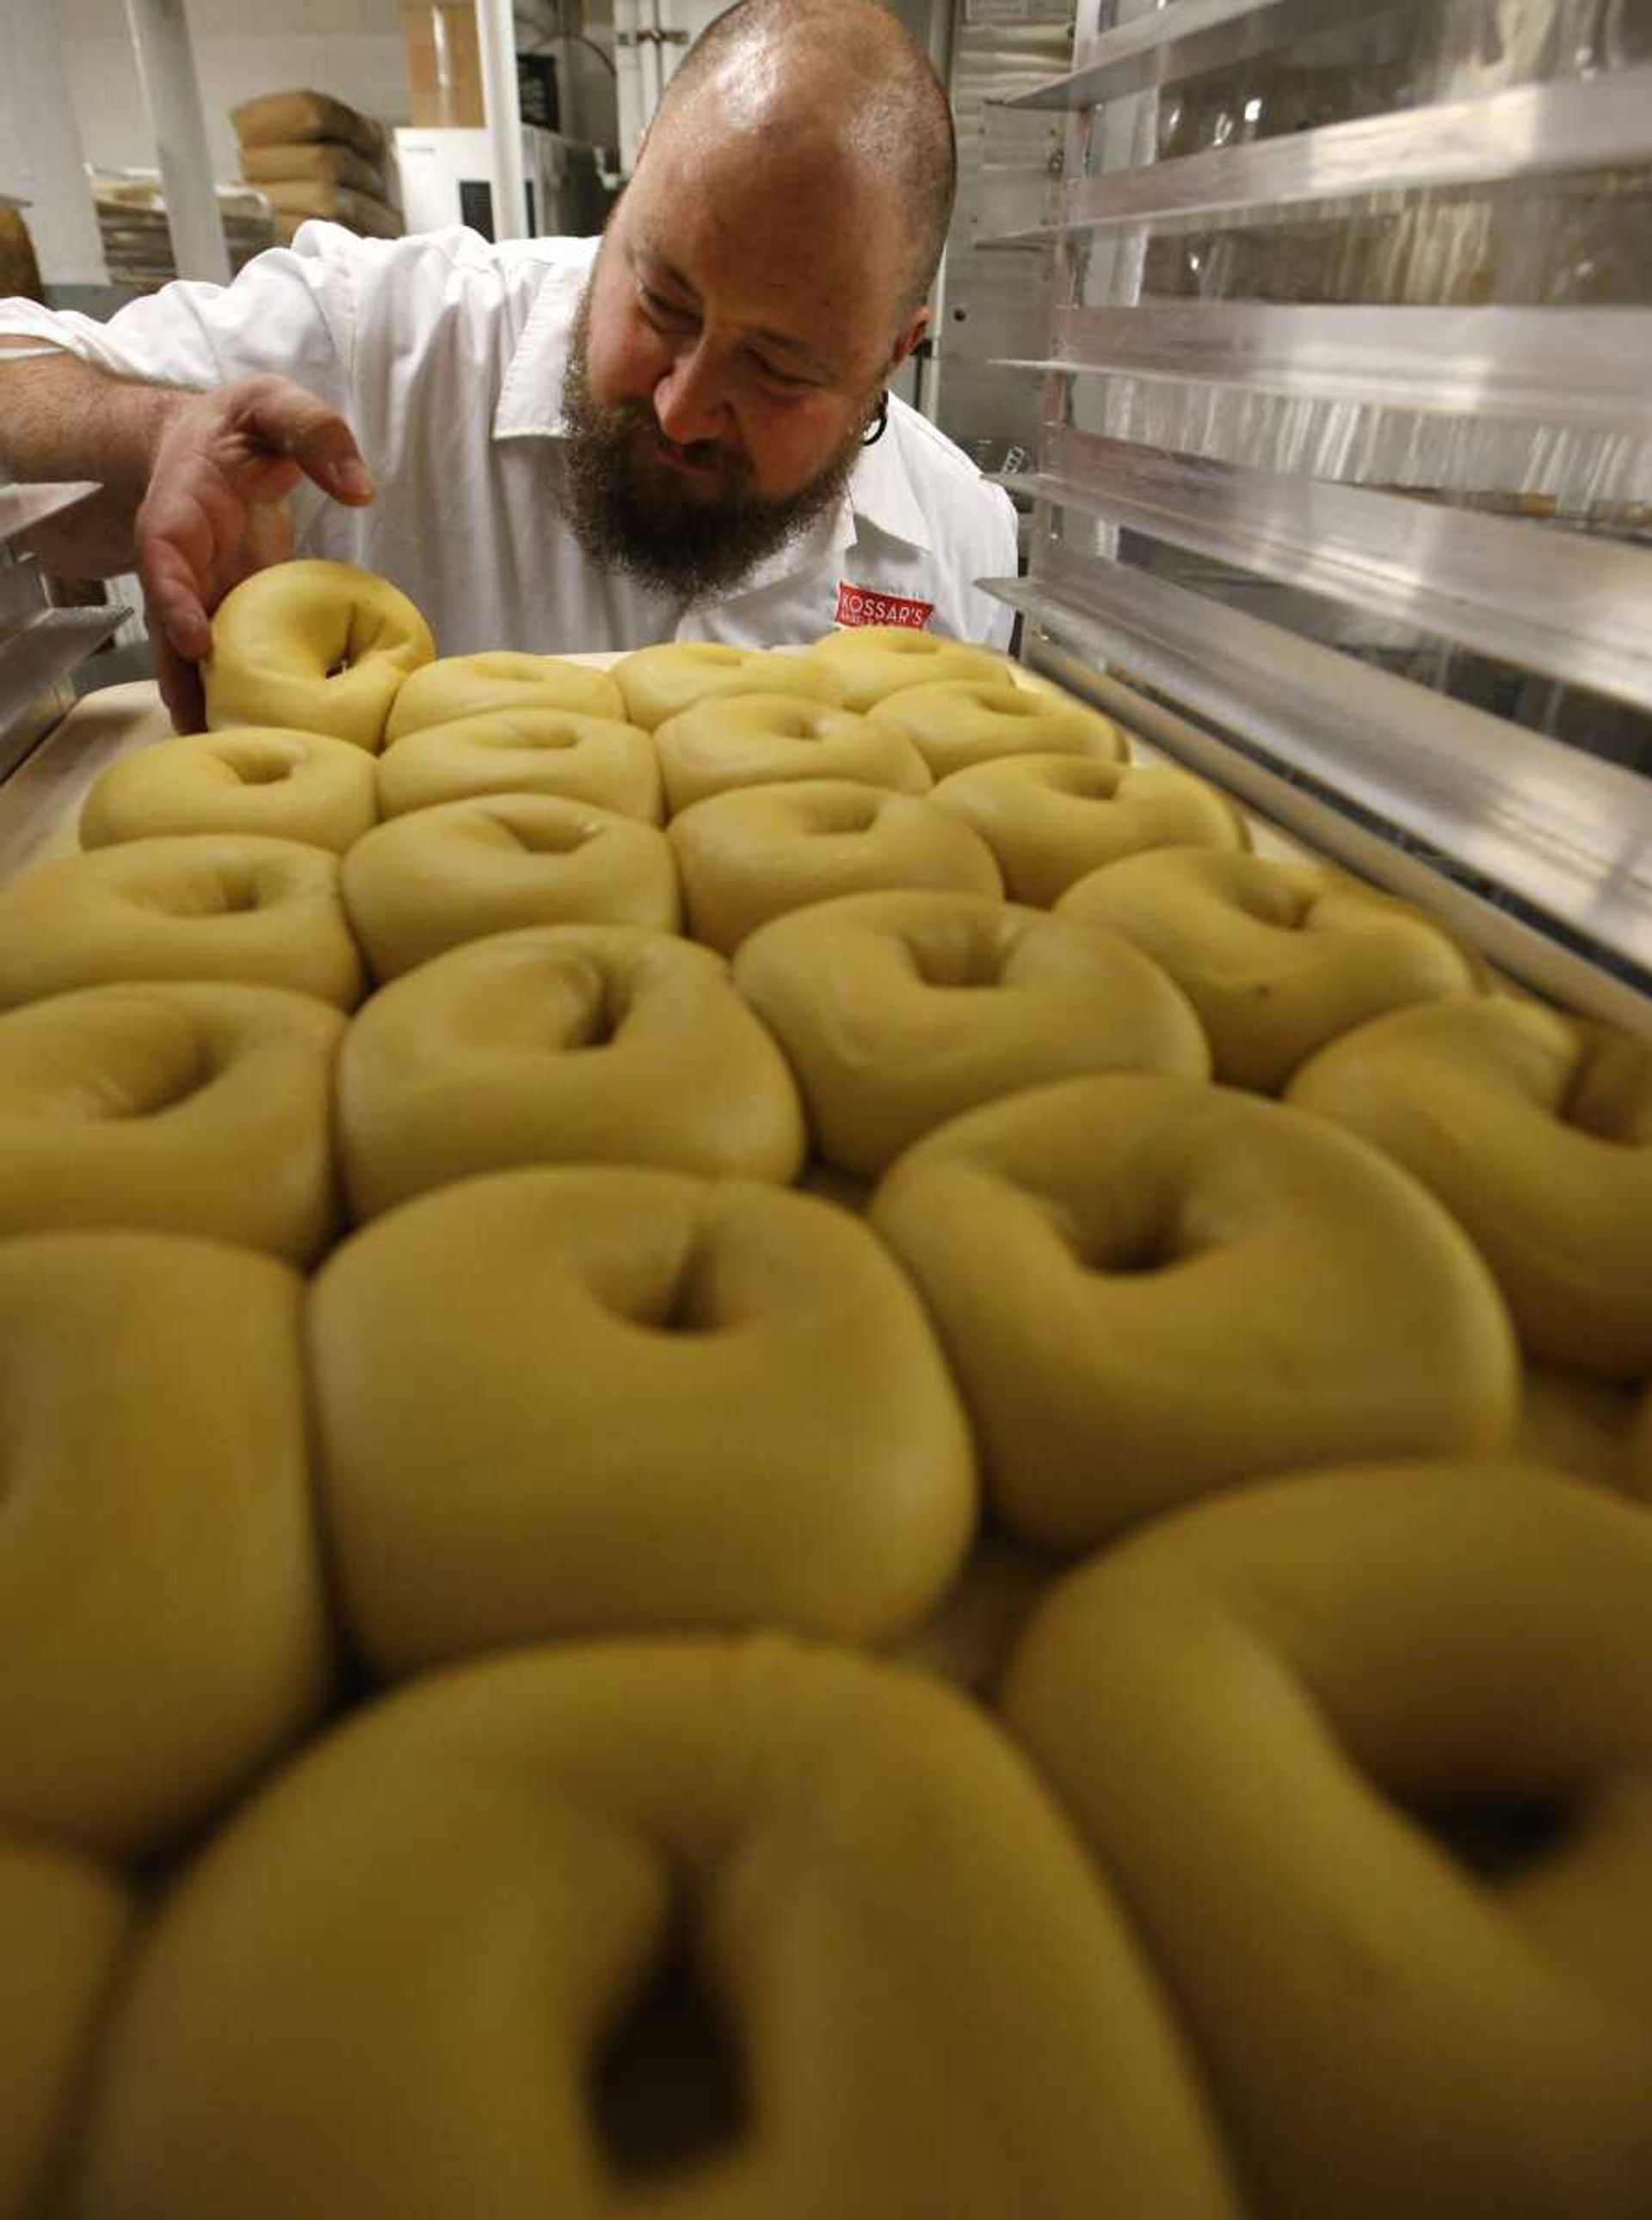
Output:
x=352 y=48
x=40 y=151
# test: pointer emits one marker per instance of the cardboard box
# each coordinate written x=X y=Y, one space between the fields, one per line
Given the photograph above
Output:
x=444 y=63
x=445 y=71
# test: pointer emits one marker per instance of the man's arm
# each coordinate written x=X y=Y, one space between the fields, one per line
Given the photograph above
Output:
x=198 y=408
x=194 y=488
x=61 y=418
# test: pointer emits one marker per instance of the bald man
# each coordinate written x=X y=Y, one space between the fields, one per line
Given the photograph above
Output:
x=680 y=431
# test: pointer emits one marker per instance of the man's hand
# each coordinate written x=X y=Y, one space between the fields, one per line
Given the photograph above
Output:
x=216 y=511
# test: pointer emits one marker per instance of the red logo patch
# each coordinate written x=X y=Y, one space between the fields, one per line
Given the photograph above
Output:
x=864 y=605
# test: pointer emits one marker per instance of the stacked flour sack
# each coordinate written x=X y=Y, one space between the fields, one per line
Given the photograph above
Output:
x=777 y=1446
x=311 y=155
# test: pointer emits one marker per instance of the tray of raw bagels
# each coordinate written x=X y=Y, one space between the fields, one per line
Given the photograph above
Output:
x=779 y=1442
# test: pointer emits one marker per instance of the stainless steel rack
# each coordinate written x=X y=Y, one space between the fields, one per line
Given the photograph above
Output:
x=1343 y=480
x=40 y=646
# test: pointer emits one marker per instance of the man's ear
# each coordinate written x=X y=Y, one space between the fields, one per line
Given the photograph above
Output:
x=907 y=340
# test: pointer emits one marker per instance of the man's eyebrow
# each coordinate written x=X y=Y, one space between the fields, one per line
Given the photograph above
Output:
x=799 y=351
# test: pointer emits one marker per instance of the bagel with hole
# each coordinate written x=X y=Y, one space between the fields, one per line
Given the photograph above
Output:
x=288 y=786
x=1149 y=1289
x=195 y=906
x=963 y=722
x=868 y=662
x=1368 y=1755
x=562 y=1044
x=1535 y=1131
x=660 y=683
x=897 y=1011
x=645 y=1402
x=459 y=686
x=149 y=1106
x=767 y=740
x=461 y=870
x=760 y=852
x=313 y=647
x=1052 y=820
x=1278 y=958
x=162 y=1620
x=595 y=759
x=428 y=1970
x=64 y=1924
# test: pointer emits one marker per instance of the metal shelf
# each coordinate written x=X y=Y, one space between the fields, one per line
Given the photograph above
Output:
x=23 y=507
x=1563 y=603
x=1569 y=836
x=38 y=658
x=1182 y=41
x=1581 y=369
x=22 y=595
x=1531 y=131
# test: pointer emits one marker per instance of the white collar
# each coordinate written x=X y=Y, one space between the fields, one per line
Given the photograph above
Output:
x=530 y=399
x=530 y=408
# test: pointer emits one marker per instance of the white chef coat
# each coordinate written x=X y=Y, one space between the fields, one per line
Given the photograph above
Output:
x=446 y=356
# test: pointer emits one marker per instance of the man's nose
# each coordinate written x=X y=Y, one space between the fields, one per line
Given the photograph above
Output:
x=691 y=402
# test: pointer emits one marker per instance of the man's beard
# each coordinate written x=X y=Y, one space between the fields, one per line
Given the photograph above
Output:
x=630 y=511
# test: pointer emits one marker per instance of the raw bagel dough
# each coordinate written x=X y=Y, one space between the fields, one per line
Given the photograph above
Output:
x=643 y=1401
x=868 y=662
x=288 y=786
x=162 y=1622
x=1151 y=1289
x=1277 y=958
x=561 y=1045
x=968 y=1638
x=523 y=751
x=842 y=1189
x=463 y=870
x=464 y=686
x=388 y=1987
x=966 y=721
x=314 y=647
x=1535 y=1131
x=1640 y=1451
x=175 y=1105
x=64 y=1920
x=759 y=851
x=1275 y=1717
x=196 y=906
x=767 y=739
x=1582 y=1426
x=661 y=682
x=1051 y=819
x=899 y=1010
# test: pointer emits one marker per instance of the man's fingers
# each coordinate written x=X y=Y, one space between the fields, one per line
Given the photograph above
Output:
x=274 y=479
x=216 y=510
x=267 y=538
x=178 y=613
x=180 y=685
x=296 y=423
